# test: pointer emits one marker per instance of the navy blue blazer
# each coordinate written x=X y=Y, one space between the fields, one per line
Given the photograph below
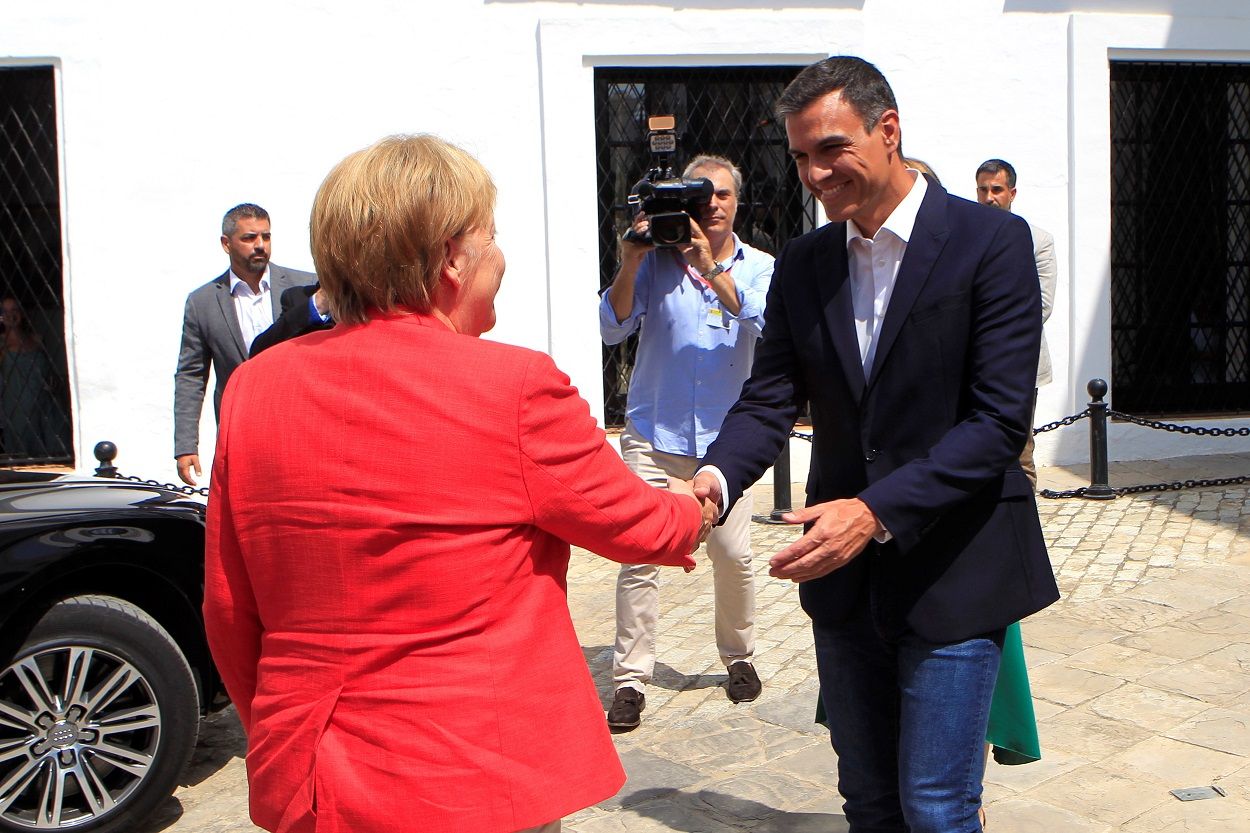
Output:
x=931 y=440
x=296 y=320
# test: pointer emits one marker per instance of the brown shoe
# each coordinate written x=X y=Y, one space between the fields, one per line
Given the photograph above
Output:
x=744 y=684
x=627 y=706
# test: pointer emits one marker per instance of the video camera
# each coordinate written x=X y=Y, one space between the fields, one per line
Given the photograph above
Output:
x=668 y=201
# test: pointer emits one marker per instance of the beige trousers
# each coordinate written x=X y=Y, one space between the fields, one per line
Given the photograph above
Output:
x=637 y=585
x=1026 y=456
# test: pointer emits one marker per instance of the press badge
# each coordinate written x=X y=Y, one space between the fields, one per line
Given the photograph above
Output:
x=717 y=318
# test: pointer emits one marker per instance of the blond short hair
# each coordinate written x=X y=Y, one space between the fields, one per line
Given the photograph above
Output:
x=922 y=166
x=383 y=216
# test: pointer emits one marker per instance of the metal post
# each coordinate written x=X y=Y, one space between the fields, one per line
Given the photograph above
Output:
x=105 y=452
x=1099 y=488
x=781 y=488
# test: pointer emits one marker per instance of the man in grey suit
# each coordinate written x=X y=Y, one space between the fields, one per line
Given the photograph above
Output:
x=996 y=187
x=221 y=320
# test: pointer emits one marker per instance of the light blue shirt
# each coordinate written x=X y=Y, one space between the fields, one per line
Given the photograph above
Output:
x=693 y=356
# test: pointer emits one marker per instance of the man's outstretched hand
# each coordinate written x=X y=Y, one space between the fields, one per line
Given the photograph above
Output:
x=840 y=531
x=710 y=514
x=707 y=488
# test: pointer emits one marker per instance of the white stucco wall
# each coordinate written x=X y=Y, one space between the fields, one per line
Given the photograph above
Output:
x=172 y=113
x=1093 y=41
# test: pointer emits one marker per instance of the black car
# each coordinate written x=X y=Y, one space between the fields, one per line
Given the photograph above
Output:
x=104 y=668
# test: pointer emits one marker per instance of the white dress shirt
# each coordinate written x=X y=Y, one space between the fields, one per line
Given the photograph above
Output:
x=873 y=264
x=254 y=309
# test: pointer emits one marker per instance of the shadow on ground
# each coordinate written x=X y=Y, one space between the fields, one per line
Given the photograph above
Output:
x=221 y=739
x=599 y=660
x=707 y=811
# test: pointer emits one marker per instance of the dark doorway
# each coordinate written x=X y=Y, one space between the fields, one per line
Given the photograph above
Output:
x=34 y=394
x=721 y=110
x=1180 y=238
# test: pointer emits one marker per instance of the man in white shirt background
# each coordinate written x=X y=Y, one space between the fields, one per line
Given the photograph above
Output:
x=996 y=187
x=220 y=321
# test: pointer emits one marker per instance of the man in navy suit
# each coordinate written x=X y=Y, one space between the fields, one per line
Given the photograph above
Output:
x=911 y=325
x=305 y=309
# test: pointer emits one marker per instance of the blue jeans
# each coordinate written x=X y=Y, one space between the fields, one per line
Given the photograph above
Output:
x=907 y=719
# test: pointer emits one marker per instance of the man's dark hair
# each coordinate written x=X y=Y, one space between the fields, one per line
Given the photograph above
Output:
x=246 y=210
x=861 y=84
x=993 y=166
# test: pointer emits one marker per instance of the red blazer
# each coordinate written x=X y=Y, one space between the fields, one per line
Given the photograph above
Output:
x=388 y=535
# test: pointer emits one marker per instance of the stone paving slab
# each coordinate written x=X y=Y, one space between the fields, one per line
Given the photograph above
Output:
x=1141 y=675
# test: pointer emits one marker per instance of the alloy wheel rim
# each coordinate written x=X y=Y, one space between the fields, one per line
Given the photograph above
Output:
x=79 y=730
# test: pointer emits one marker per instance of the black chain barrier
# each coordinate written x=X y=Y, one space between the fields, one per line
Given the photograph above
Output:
x=1097 y=412
x=1196 y=430
x=202 y=491
x=1068 y=420
x=1174 y=486
x=1050 y=426
x=106 y=452
x=1099 y=488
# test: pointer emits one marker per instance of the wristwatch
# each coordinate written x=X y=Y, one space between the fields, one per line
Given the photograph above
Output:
x=713 y=272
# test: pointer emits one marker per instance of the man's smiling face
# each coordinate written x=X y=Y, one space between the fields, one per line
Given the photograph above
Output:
x=844 y=165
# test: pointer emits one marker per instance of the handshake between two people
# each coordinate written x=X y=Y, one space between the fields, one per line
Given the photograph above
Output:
x=709 y=508
x=839 y=531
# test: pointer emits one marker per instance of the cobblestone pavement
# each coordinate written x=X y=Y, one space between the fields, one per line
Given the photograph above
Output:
x=1141 y=676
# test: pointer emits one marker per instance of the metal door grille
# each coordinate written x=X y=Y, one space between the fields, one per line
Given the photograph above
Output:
x=1180 y=237
x=720 y=110
x=34 y=395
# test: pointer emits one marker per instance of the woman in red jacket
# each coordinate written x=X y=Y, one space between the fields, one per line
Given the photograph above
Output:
x=389 y=523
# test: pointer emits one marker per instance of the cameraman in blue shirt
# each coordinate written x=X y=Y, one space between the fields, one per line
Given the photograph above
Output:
x=700 y=309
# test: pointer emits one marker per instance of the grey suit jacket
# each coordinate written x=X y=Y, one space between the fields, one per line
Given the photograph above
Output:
x=211 y=335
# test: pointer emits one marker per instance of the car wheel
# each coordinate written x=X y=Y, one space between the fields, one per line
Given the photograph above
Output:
x=98 y=717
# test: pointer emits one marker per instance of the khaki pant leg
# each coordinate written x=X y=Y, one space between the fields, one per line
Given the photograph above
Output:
x=1026 y=456
x=637 y=585
x=729 y=548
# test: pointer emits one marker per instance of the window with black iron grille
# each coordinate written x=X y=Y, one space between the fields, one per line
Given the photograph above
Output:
x=34 y=395
x=1180 y=237
x=726 y=111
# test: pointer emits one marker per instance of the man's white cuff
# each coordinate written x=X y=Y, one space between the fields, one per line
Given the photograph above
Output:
x=724 y=487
